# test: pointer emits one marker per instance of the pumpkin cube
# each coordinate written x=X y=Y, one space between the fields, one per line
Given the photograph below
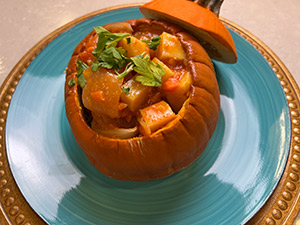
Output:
x=169 y=48
x=176 y=89
x=102 y=92
x=155 y=117
x=134 y=46
x=137 y=94
x=169 y=72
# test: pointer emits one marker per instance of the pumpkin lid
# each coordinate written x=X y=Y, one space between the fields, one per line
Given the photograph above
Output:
x=200 y=21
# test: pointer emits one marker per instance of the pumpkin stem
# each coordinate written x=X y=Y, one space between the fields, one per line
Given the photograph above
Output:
x=212 y=5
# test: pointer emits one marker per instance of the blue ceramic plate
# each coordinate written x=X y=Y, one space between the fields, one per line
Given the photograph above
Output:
x=228 y=184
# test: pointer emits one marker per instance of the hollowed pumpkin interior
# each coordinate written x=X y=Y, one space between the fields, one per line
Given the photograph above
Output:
x=125 y=107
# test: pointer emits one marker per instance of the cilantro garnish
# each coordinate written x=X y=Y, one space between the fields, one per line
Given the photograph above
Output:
x=109 y=56
x=81 y=66
x=106 y=54
x=113 y=58
x=81 y=80
x=150 y=73
x=125 y=90
x=106 y=39
x=127 y=70
x=71 y=82
x=153 y=43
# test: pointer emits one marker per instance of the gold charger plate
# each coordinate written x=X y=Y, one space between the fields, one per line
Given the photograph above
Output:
x=281 y=208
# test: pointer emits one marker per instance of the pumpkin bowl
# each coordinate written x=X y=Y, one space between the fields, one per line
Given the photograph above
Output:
x=203 y=23
x=168 y=149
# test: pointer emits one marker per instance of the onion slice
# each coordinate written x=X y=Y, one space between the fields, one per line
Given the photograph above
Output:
x=121 y=133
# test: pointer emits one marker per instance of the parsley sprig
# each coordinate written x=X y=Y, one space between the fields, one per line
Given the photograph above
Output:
x=81 y=66
x=110 y=58
x=150 y=73
x=107 y=39
x=106 y=53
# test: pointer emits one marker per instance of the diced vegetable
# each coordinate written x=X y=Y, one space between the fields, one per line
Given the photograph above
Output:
x=176 y=89
x=102 y=92
x=169 y=48
x=169 y=72
x=134 y=46
x=171 y=84
x=137 y=94
x=117 y=107
x=155 y=117
x=121 y=133
x=113 y=128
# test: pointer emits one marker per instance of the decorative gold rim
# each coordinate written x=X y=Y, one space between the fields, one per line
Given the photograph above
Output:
x=281 y=208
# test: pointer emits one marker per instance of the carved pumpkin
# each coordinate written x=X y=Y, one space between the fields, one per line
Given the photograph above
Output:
x=166 y=149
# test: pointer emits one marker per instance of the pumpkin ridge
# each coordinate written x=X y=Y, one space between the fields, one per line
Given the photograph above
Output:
x=190 y=124
x=199 y=114
x=204 y=77
x=211 y=105
x=200 y=55
x=174 y=137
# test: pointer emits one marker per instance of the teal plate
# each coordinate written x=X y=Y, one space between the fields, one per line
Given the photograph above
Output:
x=227 y=184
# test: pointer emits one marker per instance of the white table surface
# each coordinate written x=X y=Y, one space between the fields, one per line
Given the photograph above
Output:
x=24 y=23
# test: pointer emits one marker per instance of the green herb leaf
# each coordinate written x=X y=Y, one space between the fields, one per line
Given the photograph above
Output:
x=81 y=80
x=81 y=66
x=95 y=67
x=113 y=58
x=150 y=72
x=115 y=38
x=71 y=82
x=100 y=46
x=153 y=43
x=126 y=90
x=107 y=65
x=100 y=30
x=109 y=56
x=107 y=39
x=127 y=70
x=122 y=52
x=106 y=54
